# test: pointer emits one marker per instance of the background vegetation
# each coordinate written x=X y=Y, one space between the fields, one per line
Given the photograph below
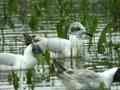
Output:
x=32 y=13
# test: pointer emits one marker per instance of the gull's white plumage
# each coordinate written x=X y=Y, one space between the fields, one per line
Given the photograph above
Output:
x=86 y=79
x=53 y=44
x=19 y=61
x=61 y=45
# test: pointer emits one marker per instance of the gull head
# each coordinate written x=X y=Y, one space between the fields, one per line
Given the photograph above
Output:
x=76 y=26
x=116 y=77
x=32 y=43
x=77 y=29
x=39 y=44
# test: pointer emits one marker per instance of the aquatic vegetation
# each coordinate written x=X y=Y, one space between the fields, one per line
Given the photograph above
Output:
x=33 y=12
x=13 y=79
x=102 y=43
x=64 y=7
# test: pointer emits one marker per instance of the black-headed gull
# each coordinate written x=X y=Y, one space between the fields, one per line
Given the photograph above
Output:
x=84 y=79
x=19 y=61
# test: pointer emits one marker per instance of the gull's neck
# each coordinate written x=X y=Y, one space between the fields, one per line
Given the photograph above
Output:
x=29 y=57
x=28 y=50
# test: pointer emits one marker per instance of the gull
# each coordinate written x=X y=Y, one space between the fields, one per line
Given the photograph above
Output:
x=19 y=61
x=67 y=48
x=83 y=79
x=80 y=38
x=58 y=47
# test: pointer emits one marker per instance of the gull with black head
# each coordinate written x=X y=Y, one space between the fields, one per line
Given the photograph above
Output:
x=84 y=79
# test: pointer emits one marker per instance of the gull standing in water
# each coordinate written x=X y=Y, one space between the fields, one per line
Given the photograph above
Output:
x=21 y=62
x=65 y=47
